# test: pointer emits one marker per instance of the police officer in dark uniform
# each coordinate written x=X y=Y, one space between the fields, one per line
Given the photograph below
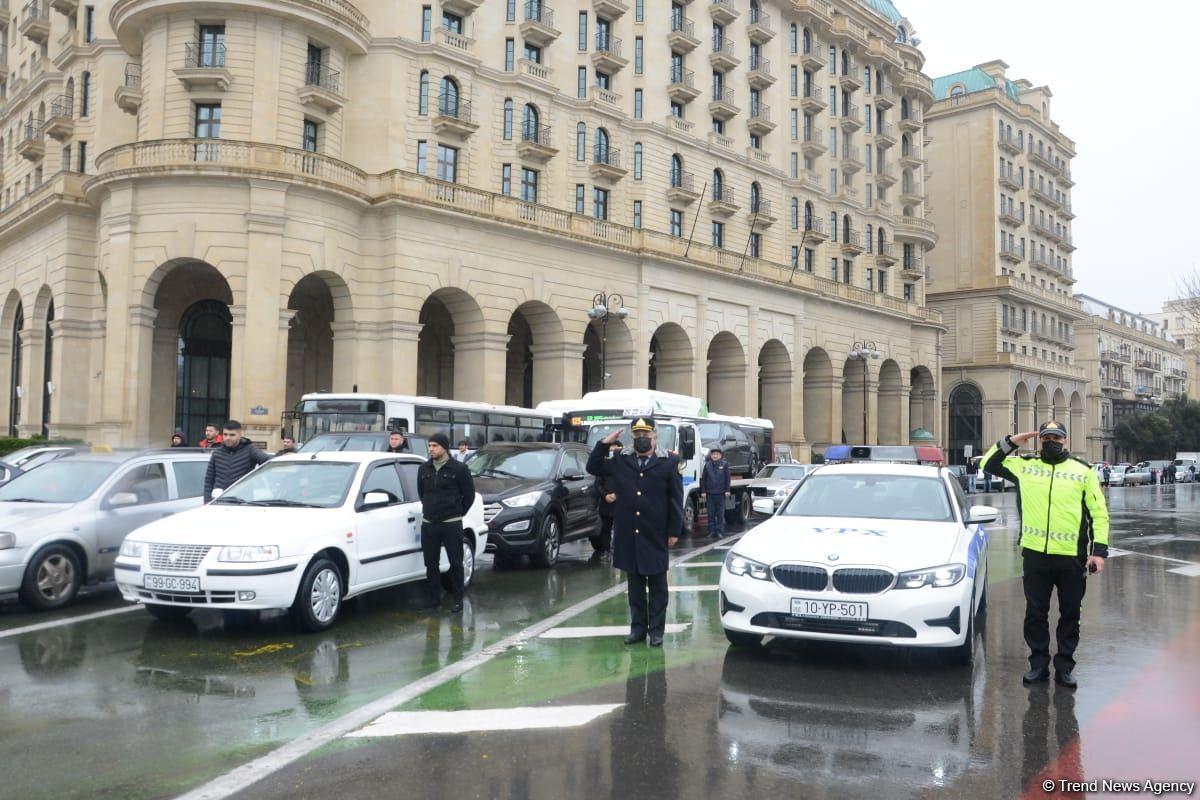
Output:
x=647 y=519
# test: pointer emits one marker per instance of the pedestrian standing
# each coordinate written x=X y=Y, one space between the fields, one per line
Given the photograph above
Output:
x=463 y=452
x=398 y=444
x=211 y=437
x=177 y=439
x=606 y=498
x=287 y=445
x=972 y=478
x=715 y=482
x=1170 y=473
x=447 y=492
x=1107 y=475
x=1064 y=536
x=646 y=522
x=1192 y=472
x=235 y=458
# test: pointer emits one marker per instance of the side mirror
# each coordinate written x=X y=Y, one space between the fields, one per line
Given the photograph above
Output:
x=122 y=499
x=375 y=499
x=764 y=506
x=217 y=493
x=981 y=514
x=687 y=443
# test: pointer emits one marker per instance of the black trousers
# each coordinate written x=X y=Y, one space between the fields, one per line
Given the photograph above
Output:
x=1043 y=575
x=434 y=537
x=647 y=617
x=606 y=523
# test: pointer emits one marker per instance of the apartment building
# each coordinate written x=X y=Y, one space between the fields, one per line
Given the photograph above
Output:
x=1132 y=364
x=211 y=208
x=1000 y=181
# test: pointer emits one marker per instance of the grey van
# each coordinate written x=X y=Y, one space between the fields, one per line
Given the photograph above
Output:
x=62 y=524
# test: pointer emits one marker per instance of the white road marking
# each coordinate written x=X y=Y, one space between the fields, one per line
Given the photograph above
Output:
x=692 y=564
x=702 y=587
x=1153 y=555
x=58 y=623
x=1192 y=571
x=256 y=770
x=605 y=630
x=406 y=723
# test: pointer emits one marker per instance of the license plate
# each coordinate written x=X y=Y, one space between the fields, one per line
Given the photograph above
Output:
x=829 y=609
x=171 y=583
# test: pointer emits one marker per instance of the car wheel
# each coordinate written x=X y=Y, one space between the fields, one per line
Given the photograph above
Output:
x=982 y=609
x=690 y=512
x=52 y=578
x=964 y=654
x=548 y=543
x=168 y=613
x=319 y=597
x=468 y=564
x=750 y=641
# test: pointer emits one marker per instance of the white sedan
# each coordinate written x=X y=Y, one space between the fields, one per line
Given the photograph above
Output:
x=304 y=532
x=870 y=553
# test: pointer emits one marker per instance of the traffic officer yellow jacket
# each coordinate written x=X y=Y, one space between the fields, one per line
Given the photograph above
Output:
x=1062 y=508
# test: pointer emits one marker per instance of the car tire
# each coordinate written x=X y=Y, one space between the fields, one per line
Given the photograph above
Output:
x=468 y=564
x=750 y=641
x=52 y=579
x=964 y=654
x=548 y=543
x=319 y=598
x=691 y=511
x=167 y=613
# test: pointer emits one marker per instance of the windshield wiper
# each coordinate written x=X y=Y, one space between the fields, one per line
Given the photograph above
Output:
x=26 y=500
x=498 y=472
x=282 y=504
x=233 y=501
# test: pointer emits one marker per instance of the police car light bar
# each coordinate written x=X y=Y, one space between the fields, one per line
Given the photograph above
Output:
x=894 y=454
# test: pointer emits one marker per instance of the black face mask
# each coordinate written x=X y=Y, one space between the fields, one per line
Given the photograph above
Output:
x=642 y=444
x=1053 y=449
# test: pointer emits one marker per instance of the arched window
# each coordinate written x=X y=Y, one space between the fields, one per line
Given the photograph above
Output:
x=423 y=97
x=808 y=216
x=637 y=161
x=205 y=336
x=448 y=99
x=901 y=34
x=754 y=11
x=47 y=367
x=906 y=182
x=69 y=94
x=870 y=238
x=957 y=90
x=882 y=239
x=903 y=108
x=718 y=183
x=808 y=40
x=14 y=367
x=580 y=142
x=845 y=62
x=794 y=37
x=601 y=146
x=530 y=125
x=833 y=225
x=795 y=213
x=755 y=197
x=676 y=171
x=905 y=145
x=508 y=118
x=846 y=222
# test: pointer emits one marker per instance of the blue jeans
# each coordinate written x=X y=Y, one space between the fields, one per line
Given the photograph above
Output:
x=715 y=502
x=971 y=484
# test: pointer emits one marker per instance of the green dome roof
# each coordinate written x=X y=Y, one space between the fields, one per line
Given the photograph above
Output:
x=920 y=435
x=886 y=8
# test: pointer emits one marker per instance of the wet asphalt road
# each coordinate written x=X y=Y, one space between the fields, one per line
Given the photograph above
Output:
x=122 y=706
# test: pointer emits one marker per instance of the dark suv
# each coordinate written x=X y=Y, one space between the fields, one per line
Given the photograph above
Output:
x=536 y=495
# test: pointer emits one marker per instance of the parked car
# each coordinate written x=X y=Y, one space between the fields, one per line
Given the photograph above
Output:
x=536 y=495
x=738 y=448
x=776 y=481
x=366 y=442
x=1182 y=472
x=1137 y=475
x=35 y=455
x=63 y=523
x=1116 y=476
x=303 y=532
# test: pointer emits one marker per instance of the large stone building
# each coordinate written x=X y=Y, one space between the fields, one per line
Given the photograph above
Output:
x=1002 y=275
x=1132 y=365
x=1178 y=321
x=210 y=208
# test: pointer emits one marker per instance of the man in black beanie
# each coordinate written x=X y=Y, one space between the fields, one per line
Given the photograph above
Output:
x=447 y=491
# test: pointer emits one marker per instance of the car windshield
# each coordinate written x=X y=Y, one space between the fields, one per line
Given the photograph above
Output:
x=861 y=495
x=18 y=457
x=42 y=458
x=781 y=473
x=63 y=481
x=303 y=484
x=504 y=462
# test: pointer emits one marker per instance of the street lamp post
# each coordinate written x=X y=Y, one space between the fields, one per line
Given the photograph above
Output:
x=604 y=307
x=864 y=351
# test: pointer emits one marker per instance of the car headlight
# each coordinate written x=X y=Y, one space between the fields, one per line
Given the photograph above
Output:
x=131 y=549
x=782 y=492
x=244 y=554
x=740 y=565
x=523 y=500
x=947 y=575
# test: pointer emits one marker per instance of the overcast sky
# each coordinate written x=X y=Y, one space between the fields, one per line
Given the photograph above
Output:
x=1127 y=91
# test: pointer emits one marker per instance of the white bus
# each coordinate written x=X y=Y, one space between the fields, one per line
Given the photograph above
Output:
x=478 y=423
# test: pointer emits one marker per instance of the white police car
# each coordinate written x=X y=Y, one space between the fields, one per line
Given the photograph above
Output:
x=863 y=552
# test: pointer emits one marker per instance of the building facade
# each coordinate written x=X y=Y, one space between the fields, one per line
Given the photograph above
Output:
x=1000 y=180
x=211 y=208
x=1133 y=365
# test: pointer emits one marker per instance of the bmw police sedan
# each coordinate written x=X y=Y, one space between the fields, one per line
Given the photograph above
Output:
x=863 y=552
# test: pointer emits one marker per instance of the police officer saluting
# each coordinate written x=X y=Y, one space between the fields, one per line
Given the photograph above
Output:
x=1064 y=536
x=647 y=519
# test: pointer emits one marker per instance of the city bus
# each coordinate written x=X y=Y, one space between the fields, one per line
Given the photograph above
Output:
x=478 y=423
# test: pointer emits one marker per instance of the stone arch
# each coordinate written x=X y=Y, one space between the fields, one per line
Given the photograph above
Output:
x=1077 y=427
x=922 y=400
x=12 y=328
x=775 y=388
x=891 y=396
x=1060 y=405
x=610 y=351
x=672 y=359
x=1041 y=406
x=856 y=401
x=1022 y=409
x=535 y=336
x=726 y=375
x=965 y=408
x=450 y=345
x=819 y=384
x=320 y=301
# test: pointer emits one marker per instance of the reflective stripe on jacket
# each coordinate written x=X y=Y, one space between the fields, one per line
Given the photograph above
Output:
x=1063 y=511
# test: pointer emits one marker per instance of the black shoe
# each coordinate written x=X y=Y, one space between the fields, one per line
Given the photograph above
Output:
x=635 y=638
x=1066 y=679
x=457 y=607
x=656 y=640
x=1035 y=676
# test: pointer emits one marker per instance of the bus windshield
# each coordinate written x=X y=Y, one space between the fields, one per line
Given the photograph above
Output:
x=666 y=434
x=341 y=415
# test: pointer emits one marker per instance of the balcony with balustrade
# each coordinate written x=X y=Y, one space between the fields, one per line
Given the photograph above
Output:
x=1010 y=217
x=537 y=24
x=128 y=95
x=913 y=266
x=886 y=254
x=682 y=37
x=885 y=135
x=322 y=88
x=885 y=176
x=722 y=105
x=1043 y=159
x=759 y=27
x=813 y=143
x=5 y=17
x=723 y=56
x=845 y=29
x=454 y=116
x=606 y=164
x=1008 y=144
x=813 y=58
x=760 y=214
x=35 y=21
x=204 y=67
x=1115 y=357
x=814 y=229
x=461 y=7
x=1009 y=180
x=813 y=101
x=852 y=79
x=682 y=87
x=760 y=119
x=851 y=242
x=760 y=75
x=916 y=229
x=536 y=143
x=32 y=144
x=851 y=119
x=912 y=123
x=682 y=188
x=851 y=160
x=722 y=201
x=65 y=7
x=1043 y=196
x=1065 y=210
x=607 y=55
x=916 y=82
x=60 y=120
x=723 y=11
